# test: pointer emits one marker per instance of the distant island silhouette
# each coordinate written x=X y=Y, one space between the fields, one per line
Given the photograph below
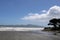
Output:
x=28 y=25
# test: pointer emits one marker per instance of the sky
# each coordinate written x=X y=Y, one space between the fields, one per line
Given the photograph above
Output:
x=37 y=12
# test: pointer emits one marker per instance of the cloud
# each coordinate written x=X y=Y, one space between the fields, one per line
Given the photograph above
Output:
x=54 y=11
x=43 y=11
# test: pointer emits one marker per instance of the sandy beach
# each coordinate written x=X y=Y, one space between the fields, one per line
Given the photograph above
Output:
x=27 y=35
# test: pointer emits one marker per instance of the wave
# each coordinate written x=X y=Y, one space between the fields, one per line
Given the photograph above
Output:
x=19 y=29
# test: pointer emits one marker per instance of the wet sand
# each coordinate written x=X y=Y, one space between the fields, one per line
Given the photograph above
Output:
x=27 y=35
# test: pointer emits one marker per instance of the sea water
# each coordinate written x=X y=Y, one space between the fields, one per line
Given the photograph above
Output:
x=19 y=28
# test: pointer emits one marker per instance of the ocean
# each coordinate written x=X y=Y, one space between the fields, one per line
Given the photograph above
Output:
x=19 y=29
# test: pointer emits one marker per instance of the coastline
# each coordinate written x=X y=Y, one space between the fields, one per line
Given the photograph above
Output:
x=26 y=34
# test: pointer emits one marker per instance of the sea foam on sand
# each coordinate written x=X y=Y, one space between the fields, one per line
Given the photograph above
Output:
x=19 y=29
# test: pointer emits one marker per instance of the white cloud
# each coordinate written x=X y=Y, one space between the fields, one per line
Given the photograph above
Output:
x=43 y=11
x=54 y=11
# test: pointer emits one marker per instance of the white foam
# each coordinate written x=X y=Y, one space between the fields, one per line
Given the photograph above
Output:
x=18 y=29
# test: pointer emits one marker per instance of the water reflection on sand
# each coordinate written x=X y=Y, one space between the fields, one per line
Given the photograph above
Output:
x=28 y=35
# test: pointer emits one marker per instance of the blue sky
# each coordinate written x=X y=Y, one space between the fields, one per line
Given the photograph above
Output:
x=11 y=11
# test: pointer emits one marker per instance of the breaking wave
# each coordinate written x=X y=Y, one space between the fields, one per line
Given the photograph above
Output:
x=19 y=29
